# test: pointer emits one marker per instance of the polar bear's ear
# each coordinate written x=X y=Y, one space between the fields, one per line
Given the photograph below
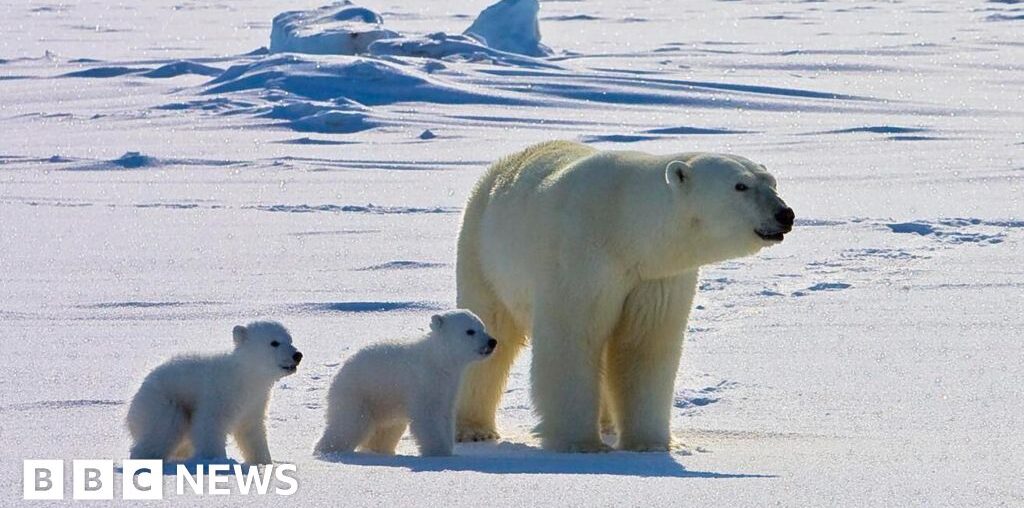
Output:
x=240 y=333
x=435 y=322
x=677 y=173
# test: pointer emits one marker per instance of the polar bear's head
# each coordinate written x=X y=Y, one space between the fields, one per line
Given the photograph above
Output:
x=464 y=336
x=267 y=347
x=730 y=200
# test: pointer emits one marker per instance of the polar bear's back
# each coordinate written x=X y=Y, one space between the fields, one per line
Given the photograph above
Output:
x=530 y=202
x=180 y=385
x=381 y=376
x=533 y=165
x=183 y=378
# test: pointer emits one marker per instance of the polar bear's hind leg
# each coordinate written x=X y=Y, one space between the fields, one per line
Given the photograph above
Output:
x=347 y=426
x=184 y=450
x=483 y=383
x=157 y=426
x=384 y=438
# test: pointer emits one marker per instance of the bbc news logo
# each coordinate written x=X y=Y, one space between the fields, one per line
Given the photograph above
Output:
x=144 y=479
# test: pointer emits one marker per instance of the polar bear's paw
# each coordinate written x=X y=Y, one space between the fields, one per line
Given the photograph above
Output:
x=475 y=433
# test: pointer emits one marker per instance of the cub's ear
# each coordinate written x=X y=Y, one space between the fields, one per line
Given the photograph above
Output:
x=677 y=173
x=240 y=333
x=435 y=322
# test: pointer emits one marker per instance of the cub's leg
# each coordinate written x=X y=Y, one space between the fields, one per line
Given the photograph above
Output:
x=252 y=441
x=384 y=438
x=348 y=423
x=184 y=450
x=432 y=424
x=156 y=424
x=209 y=432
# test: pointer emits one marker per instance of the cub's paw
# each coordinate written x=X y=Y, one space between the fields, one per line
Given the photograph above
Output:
x=608 y=428
x=473 y=434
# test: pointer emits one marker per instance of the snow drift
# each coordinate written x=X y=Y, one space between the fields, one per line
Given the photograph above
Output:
x=337 y=29
x=334 y=94
x=512 y=26
x=507 y=27
x=366 y=81
x=447 y=46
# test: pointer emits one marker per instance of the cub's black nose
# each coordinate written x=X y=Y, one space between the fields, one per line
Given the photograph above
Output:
x=297 y=357
x=492 y=343
x=785 y=216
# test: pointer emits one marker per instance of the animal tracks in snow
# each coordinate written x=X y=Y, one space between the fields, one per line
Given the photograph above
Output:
x=877 y=251
x=690 y=400
x=958 y=231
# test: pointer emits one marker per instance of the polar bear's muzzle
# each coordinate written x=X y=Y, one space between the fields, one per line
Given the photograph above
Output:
x=488 y=348
x=784 y=219
x=291 y=369
x=771 y=237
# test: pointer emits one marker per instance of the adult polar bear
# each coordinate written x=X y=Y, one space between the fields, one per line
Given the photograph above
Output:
x=594 y=256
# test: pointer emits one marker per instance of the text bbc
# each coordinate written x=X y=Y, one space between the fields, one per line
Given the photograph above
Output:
x=144 y=479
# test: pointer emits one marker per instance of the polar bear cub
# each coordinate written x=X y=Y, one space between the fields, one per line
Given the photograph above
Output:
x=187 y=406
x=383 y=388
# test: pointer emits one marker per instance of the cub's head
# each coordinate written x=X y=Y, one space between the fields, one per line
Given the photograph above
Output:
x=463 y=334
x=267 y=346
x=731 y=200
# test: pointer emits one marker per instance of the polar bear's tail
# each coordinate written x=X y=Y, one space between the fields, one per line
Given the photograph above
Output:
x=157 y=425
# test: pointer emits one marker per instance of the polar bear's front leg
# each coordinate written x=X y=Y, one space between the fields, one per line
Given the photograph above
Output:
x=643 y=377
x=643 y=359
x=569 y=335
x=565 y=381
x=209 y=433
x=433 y=426
x=252 y=441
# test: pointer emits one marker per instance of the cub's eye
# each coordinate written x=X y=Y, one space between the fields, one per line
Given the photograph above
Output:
x=741 y=187
x=275 y=344
x=470 y=332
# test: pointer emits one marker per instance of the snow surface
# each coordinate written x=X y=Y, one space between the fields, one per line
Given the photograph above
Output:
x=164 y=177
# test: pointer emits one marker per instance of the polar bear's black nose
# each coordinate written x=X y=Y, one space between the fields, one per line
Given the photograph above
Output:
x=492 y=343
x=297 y=357
x=785 y=216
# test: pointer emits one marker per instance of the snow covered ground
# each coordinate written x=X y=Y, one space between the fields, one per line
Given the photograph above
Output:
x=162 y=179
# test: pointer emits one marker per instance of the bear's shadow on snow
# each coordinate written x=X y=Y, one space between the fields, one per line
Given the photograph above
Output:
x=518 y=458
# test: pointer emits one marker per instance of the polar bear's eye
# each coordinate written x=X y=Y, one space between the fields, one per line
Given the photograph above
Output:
x=741 y=187
x=470 y=332
x=275 y=344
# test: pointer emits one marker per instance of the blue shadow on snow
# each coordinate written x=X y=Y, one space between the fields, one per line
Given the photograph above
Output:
x=517 y=458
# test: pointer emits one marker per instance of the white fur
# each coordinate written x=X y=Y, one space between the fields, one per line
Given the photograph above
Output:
x=594 y=256
x=187 y=406
x=383 y=388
